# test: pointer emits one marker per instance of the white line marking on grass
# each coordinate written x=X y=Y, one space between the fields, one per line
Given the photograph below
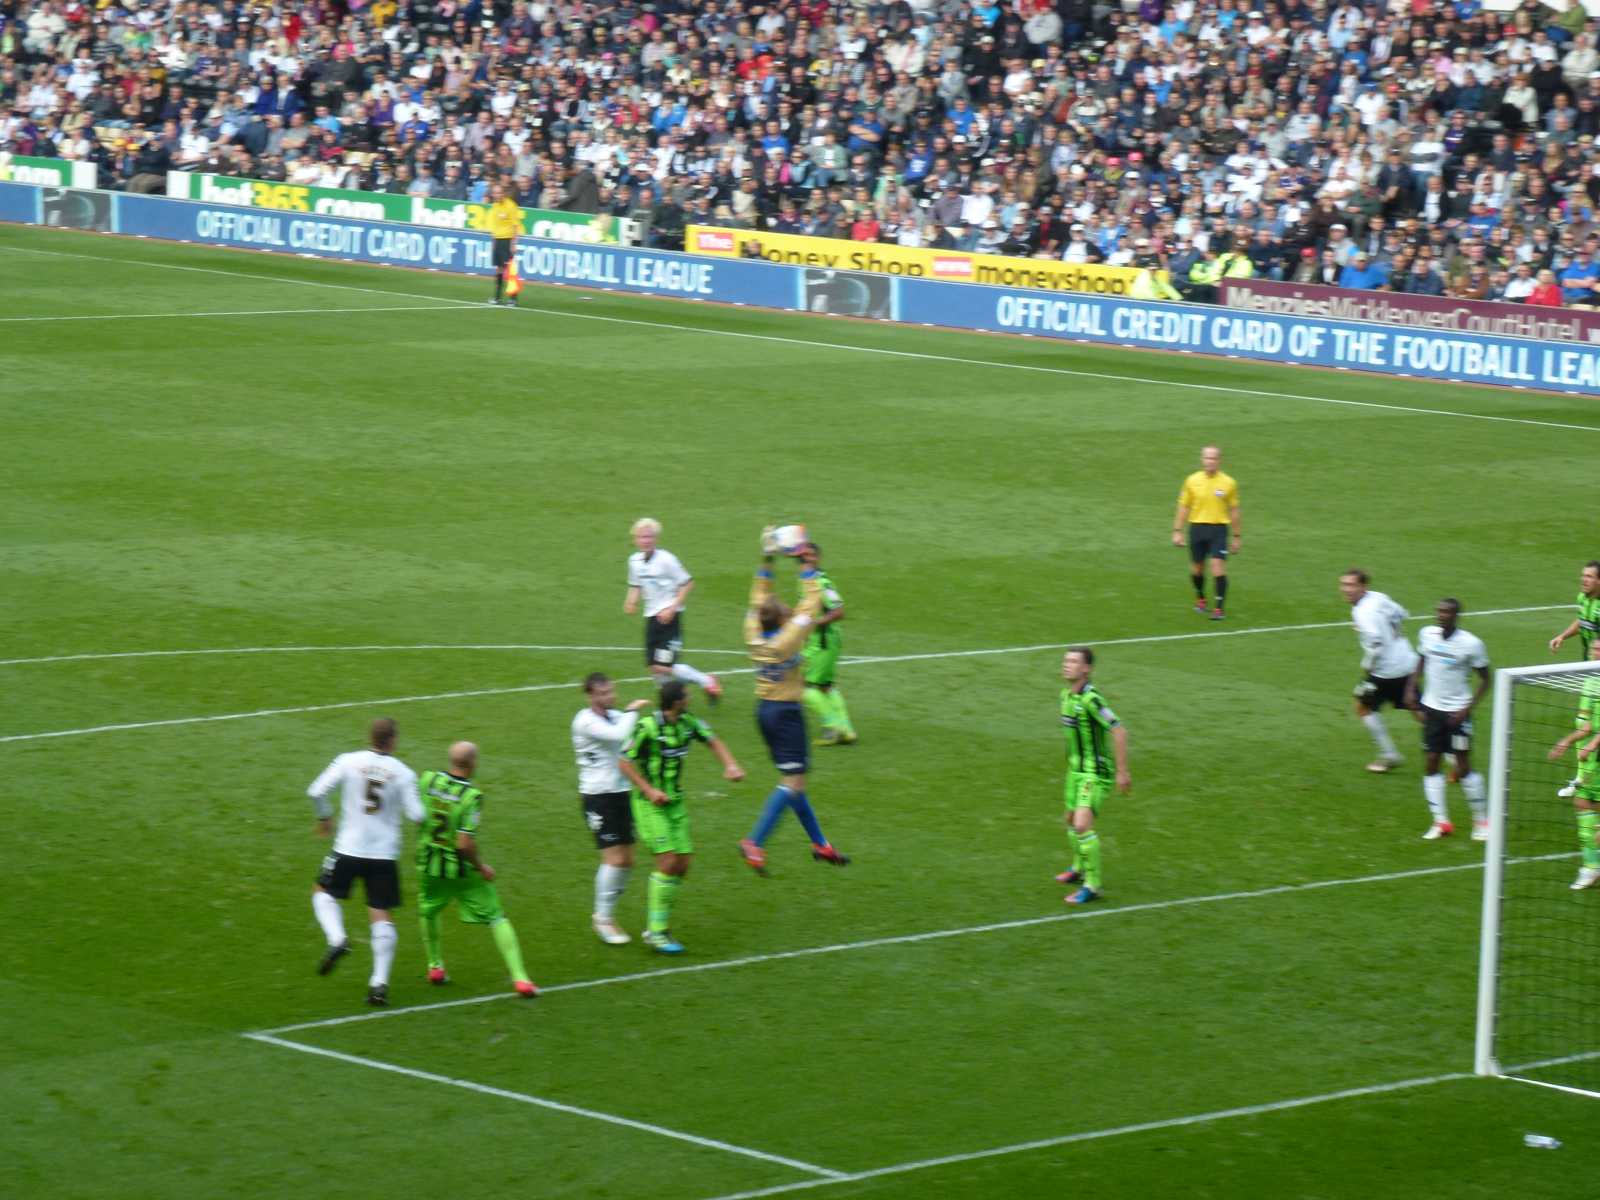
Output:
x=1094 y=1135
x=553 y=1105
x=849 y=348
x=62 y=658
x=906 y=939
x=248 y=312
x=545 y=687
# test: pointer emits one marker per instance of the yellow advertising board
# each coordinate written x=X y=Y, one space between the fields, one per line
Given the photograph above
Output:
x=955 y=266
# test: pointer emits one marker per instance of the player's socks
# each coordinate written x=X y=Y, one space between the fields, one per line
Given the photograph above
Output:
x=663 y=894
x=431 y=941
x=1380 y=735
x=505 y=941
x=383 y=943
x=499 y=284
x=1199 y=582
x=1433 y=789
x=329 y=915
x=1089 y=848
x=1588 y=826
x=820 y=705
x=609 y=883
x=808 y=819
x=1222 y=591
x=1077 y=850
x=841 y=714
x=771 y=811
x=688 y=674
x=1472 y=787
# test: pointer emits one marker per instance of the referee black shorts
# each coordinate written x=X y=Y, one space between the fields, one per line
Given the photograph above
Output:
x=1207 y=541
x=502 y=251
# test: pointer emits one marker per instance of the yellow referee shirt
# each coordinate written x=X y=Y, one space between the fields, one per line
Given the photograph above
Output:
x=1209 y=498
x=505 y=219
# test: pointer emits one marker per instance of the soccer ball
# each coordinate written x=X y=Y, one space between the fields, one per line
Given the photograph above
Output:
x=790 y=538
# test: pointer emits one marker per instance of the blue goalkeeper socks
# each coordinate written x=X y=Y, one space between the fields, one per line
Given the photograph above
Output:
x=771 y=811
x=808 y=819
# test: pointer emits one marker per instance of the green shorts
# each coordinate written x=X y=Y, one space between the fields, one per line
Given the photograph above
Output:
x=664 y=830
x=1085 y=791
x=480 y=903
x=821 y=666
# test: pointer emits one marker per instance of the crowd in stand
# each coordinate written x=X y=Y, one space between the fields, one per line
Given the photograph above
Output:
x=1420 y=145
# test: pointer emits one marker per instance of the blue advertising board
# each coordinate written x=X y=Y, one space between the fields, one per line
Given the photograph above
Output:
x=1312 y=341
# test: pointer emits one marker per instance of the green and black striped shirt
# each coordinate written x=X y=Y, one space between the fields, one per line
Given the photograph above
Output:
x=452 y=807
x=658 y=748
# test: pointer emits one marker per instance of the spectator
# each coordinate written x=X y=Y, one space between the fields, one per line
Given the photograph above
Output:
x=1547 y=291
x=1362 y=272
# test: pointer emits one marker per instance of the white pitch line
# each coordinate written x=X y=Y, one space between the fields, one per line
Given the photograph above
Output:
x=1094 y=1135
x=857 y=349
x=545 y=687
x=62 y=658
x=248 y=312
x=907 y=939
x=553 y=1105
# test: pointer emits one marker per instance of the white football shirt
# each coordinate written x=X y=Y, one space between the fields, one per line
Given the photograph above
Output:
x=375 y=790
x=658 y=578
x=1447 y=667
x=597 y=742
x=1380 y=628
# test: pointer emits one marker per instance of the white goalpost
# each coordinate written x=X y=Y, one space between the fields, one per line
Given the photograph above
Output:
x=1539 y=959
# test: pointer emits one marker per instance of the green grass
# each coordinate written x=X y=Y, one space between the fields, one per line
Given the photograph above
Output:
x=466 y=476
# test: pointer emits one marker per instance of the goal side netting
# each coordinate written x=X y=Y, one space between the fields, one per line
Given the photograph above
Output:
x=1539 y=971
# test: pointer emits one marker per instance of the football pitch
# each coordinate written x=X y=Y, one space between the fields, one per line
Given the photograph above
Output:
x=255 y=501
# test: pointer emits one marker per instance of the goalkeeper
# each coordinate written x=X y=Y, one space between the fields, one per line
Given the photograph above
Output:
x=775 y=634
x=1585 y=788
x=823 y=647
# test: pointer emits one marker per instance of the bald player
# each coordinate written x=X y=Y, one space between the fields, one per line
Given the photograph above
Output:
x=449 y=867
x=1208 y=502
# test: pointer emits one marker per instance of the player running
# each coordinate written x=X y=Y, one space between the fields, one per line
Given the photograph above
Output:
x=449 y=867
x=821 y=654
x=657 y=577
x=1387 y=661
x=375 y=788
x=775 y=634
x=599 y=732
x=1584 y=790
x=1449 y=655
x=1088 y=722
x=1587 y=623
x=654 y=765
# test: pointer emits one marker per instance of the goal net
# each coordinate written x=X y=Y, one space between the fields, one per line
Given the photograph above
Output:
x=1539 y=973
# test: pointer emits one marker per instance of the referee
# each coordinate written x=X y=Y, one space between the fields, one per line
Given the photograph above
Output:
x=505 y=222
x=1209 y=502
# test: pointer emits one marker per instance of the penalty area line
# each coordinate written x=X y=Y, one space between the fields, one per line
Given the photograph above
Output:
x=591 y=1114
x=1198 y=635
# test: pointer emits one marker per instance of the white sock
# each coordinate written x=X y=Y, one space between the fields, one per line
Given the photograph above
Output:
x=1472 y=785
x=608 y=884
x=1380 y=735
x=383 y=939
x=1433 y=789
x=688 y=674
x=329 y=915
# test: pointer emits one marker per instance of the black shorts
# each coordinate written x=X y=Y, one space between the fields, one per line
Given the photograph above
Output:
x=501 y=253
x=380 y=879
x=663 y=643
x=783 y=728
x=1440 y=737
x=1375 y=692
x=1207 y=541
x=609 y=816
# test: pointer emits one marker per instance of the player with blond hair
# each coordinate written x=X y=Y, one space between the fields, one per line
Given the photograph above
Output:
x=660 y=582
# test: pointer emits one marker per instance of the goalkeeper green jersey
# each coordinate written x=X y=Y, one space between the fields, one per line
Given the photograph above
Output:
x=826 y=637
x=1588 y=620
x=659 y=746
x=1087 y=722
x=452 y=807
